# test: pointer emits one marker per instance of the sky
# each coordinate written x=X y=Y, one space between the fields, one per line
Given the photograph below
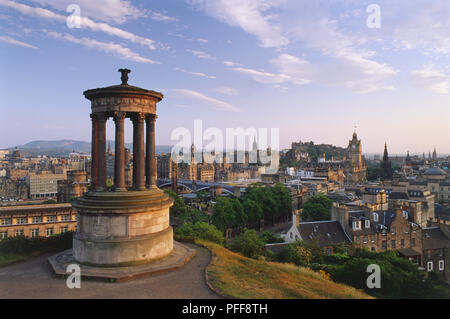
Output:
x=316 y=70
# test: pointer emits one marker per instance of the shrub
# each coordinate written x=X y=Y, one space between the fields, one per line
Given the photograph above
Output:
x=249 y=244
x=21 y=244
x=271 y=238
x=199 y=230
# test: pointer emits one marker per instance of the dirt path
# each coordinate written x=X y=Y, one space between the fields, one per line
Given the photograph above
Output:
x=34 y=279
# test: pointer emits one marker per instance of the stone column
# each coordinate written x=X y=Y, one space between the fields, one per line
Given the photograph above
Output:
x=94 y=152
x=150 y=160
x=138 y=152
x=101 y=152
x=119 y=164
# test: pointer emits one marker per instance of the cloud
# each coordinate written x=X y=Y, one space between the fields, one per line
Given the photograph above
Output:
x=262 y=76
x=158 y=16
x=196 y=73
x=111 y=11
x=201 y=54
x=253 y=16
x=202 y=40
x=218 y=104
x=85 y=22
x=229 y=63
x=430 y=78
x=227 y=91
x=124 y=53
x=7 y=39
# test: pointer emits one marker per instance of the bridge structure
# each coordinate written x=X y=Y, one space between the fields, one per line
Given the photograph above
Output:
x=197 y=186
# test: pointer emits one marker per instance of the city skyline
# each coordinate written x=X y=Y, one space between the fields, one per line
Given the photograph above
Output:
x=313 y=70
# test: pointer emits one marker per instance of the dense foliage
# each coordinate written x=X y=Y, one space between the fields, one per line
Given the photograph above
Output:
x=271 y=238
x=400 y=278
x=317 y=208
x=259 y=202
x=199 y=230
x=22 y=244
x=249 y=244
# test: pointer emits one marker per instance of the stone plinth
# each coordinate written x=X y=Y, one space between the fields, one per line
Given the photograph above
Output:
x=180 y=256
x=117 y=229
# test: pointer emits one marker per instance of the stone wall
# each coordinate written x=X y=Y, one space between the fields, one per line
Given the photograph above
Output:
x=9 y=188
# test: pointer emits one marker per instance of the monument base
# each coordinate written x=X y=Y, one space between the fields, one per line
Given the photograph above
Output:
x=180 y=256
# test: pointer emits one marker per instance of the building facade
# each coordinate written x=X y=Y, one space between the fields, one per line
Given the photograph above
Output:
x=36 y=220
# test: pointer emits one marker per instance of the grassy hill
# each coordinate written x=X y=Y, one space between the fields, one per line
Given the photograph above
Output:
x=237 y=276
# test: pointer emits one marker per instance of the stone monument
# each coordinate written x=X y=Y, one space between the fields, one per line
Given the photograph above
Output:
x=119 y=226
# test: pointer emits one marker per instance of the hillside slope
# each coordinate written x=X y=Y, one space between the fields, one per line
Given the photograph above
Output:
x=237 y=276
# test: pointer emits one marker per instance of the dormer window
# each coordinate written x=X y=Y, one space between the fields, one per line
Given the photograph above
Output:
x=367 y=224
x=357 y=225
x=375 y=217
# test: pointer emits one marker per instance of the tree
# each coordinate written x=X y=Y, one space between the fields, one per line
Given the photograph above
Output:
x=253 y=210
x=271 y=238
x=223 y=216
x=249 y=244
x=317 y=208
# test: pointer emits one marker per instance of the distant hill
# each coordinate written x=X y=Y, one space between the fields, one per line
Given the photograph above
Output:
x=64 y=147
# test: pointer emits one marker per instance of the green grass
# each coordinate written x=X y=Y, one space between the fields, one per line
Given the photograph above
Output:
x=236 y=276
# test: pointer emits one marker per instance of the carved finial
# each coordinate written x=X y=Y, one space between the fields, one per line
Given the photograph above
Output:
x=124 y=77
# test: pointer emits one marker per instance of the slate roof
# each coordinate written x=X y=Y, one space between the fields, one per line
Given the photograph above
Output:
x=408 y=252
x=435 y=171
x=327 y=233
x=441 y=212
x=399 y=195
x=434 y=238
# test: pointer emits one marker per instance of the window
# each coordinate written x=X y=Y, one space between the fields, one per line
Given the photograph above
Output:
x=366 y=239
x=21 y=220
x=402 y=243
x=413 y=242
x=19 y=232
x=407 y=229
x=49 y=232
x=358 y=240
x=65 y=218
x=35 y=220
x=393 y=244
x=328 y=251
x=372 y=238
x=441 y=265
x=64 y=229
x=357 y=225
x=393 y=230
x=367 y=223
x=405 y=214
x=372 y=249
x=5 y=221
x=375 y=217
x=51 y=219
x=430 y=266
x=35 y=232
x=384 y=244
x=3 y=234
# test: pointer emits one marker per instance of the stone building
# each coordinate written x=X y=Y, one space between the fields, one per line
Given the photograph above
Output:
x=43 y=185
x=164 y=166
x=436 y=252
x=355 y=168
x=75 y=186
x=36 y=220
